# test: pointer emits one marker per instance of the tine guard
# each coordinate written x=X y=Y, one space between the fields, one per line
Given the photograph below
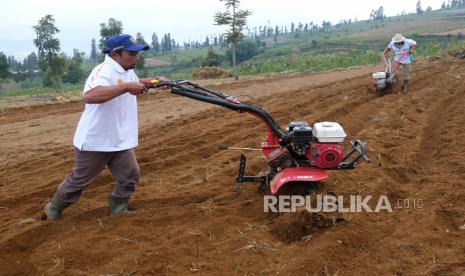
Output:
x=297 y=174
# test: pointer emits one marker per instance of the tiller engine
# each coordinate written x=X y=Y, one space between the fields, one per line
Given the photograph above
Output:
x=383 y=82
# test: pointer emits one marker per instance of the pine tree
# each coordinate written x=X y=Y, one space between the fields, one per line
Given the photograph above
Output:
x=93 y=50
x=276 y=33
x=419 y=10
x=168 y=42
x=235 y=18
x=163 y=44
x=30 y=62
x=155 y=43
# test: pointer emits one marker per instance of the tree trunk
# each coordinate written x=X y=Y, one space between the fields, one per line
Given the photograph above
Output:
x=236 y=77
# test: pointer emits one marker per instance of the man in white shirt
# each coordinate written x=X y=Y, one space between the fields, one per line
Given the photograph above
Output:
x=107 y=132
x=403 y=49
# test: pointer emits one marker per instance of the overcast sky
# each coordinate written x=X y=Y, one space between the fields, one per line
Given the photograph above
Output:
x=79 y=21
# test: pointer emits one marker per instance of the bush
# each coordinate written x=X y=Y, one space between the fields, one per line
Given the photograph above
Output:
x=244 y=50
x=212 y=59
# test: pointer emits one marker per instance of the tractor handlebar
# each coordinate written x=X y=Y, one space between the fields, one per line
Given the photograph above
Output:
x=194 y=91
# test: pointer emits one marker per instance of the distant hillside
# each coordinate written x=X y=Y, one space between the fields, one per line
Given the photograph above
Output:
x=340 y=45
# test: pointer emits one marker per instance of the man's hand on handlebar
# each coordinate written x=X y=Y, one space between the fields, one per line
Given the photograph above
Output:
x=156 y=83
x=135 y=88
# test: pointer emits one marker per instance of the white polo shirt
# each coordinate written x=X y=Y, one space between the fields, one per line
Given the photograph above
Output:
x=112 y=125
x=402 y=54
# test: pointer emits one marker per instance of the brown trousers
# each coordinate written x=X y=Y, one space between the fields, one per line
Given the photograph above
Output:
x=89 y=164
x=406 y=71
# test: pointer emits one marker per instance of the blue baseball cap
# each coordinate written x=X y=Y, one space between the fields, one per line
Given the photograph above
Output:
x=123 y=42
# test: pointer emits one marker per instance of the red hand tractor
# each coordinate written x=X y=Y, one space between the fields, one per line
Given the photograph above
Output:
x=299 y=155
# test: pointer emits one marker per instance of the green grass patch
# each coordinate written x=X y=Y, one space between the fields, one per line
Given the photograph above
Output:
x=71 y=90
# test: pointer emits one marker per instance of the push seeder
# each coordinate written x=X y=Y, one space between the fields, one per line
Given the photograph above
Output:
x=299 y=155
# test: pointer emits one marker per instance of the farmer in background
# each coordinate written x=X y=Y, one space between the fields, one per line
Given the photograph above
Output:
x=403 y=49
x=107 y=132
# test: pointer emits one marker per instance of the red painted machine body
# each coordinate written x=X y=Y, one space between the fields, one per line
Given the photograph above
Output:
x=327 y=156
x=298 y=154
x=298 y=174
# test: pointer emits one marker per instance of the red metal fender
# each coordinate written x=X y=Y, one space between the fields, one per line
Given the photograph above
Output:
x=300 y=174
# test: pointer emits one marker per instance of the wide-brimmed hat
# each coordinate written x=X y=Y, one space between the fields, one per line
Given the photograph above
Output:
x=124 y=42
x=398 y=38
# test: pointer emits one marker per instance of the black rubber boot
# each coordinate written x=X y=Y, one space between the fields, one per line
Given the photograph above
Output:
x=54 y=208
x=405 y=87
x=117 y=206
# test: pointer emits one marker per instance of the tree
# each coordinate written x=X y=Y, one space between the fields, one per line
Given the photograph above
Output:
x=212 y=59
x=443 y=6
x=245 y=50
x=51 y=62
x=20 y=73
x=4 y=71
x=13 y=63
x=163 y=44
x=30 y=62
x=236 y=19
x=377 y=14
x=141 y=63
x=57 y=68
x=173 y=44
x=140 y=39
x=155 y=43
x=93 y=50
x=75 y=73
x=45 y=41
x=114 y=27
x=269 y=31
x=419 y=10
x=276 y=33
x=167 y=42
x=325 y=25
x=221 y=41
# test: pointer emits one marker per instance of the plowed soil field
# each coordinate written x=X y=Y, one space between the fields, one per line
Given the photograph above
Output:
x=190 y=220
